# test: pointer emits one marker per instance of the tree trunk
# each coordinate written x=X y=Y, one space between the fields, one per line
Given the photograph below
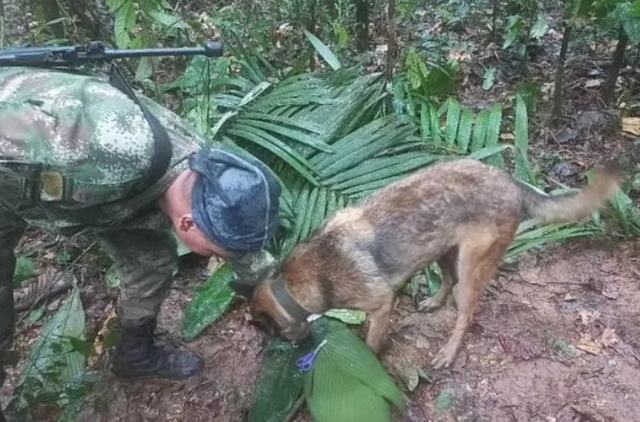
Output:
x=362 y=24
x=524 y=62
x=557 y=90
x=2 y=25
x=494 y=20
x=391 y=51
x=311 y=27
x=609 y=88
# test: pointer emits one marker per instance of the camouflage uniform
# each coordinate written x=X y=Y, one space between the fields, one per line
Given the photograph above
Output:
x=71 y=149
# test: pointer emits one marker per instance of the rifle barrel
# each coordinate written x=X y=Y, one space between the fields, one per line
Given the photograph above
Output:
x=52 y=56
x=211 y=49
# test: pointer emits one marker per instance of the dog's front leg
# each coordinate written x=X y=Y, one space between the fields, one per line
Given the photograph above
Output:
x=379 y=319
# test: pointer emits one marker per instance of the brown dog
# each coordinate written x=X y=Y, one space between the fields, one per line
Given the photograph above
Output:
x=461 y=214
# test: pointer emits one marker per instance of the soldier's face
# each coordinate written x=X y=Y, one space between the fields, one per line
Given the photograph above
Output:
x=196 y=241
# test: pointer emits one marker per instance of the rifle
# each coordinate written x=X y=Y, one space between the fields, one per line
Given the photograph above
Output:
x=95 y=51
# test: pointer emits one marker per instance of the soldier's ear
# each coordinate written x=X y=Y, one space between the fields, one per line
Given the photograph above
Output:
x=245 y=288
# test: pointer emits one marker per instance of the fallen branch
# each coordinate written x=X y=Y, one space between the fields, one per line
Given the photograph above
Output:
x=50 y=293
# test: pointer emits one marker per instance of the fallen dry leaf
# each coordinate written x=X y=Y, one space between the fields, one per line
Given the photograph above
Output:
x=611 y=294
x=422 y=343
x=588 y=317
x=213 y=265
x=631 y=125
x=586 y=344
x=609 y=337
x=98 y=344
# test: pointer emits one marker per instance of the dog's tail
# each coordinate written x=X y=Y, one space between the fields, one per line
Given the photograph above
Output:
x=572 y=206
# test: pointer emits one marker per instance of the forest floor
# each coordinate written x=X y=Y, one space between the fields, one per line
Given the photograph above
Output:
x=556 y=337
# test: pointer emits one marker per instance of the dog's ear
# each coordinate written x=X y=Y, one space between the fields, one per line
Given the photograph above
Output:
x=245 y=288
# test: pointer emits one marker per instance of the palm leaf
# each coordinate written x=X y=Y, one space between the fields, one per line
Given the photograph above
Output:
x=436 y=131
x=453 y=120
x=323 y=50
x=493 y=134
x=523 y=168
x=278 y=148
x=529 y=236
x=425 y=120
x=464 y=131
x=480 y=131
x=379 y=168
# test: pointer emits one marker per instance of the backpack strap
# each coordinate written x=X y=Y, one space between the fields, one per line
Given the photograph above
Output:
x=162 y=144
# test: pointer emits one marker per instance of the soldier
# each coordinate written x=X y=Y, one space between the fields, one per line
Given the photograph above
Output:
x=75 y=159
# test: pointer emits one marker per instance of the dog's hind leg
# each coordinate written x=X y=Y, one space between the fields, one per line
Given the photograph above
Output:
x=379 y=318
x=479 y=258
x=447 y=265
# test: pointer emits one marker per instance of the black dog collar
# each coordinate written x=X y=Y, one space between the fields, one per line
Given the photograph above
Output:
x=288 y=303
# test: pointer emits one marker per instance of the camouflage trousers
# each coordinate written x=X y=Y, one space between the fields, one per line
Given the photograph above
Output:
x=147 y=260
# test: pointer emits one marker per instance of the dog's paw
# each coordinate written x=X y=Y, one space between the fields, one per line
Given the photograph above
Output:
x=445 y=357
x=430 y=305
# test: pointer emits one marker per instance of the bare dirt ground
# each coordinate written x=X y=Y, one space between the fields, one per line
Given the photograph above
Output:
x=556 y=339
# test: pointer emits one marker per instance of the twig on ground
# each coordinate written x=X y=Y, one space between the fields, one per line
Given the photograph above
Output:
x=50 y=293
x=46 y=293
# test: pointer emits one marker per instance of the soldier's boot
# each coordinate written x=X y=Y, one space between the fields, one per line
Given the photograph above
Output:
x=11 y=229
x=2 y=377
x=137 y=356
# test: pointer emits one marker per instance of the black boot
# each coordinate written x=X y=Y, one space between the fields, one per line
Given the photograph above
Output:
x=3 y=376
x=137 y=356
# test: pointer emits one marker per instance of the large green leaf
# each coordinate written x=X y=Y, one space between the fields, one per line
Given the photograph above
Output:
x=338 y=397
x=155 y=10
x=209 y=304
x=54 y=371
x=347 y=316
x=279 y=389
x=523 y=168
x=124 y=22
x=348 y=383
x=629 y=20
x=323 y=50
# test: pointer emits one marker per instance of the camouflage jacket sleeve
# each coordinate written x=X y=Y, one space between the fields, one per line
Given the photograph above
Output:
x=254 y=266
